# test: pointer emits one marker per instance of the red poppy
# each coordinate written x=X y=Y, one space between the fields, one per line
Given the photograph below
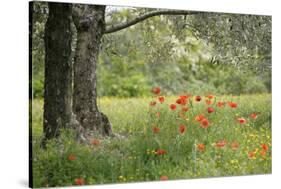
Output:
x=164 y=177
x=79 y=181
x=161 y=152
x=220 y=104
x=263 y=153
x=251 y=155
x=181 y=101
x=241 y=120
x=232 y=104
x=156 y=90
x=173 y=106
x=178 y=101
x=205 y=123
x=254 y=116
x=211 y=110
x=201 y=147
x=161 y=99
x=264 y=147
x=152 y=103
x=210 y=96
x=198 y=98
x=199 y=117
x=95 y=142
x=155 y=129
x=184 y=96
x=208 y=102
x=221 y=143
x=234 y=145
x=182 y=129
x=184 y=109
x=71 y=157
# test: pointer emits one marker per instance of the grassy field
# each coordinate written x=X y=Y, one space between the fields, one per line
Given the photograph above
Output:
x=193 y=139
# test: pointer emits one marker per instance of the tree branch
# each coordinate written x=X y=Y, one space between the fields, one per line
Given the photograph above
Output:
x=117 y=27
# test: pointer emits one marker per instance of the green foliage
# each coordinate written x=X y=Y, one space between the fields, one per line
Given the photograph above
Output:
x=117 y=77
x=227 y=79
x=223 y=53
x=37 y=86
x=179 y=55
x=127 y=79
x=236 y=38
x=39 y=18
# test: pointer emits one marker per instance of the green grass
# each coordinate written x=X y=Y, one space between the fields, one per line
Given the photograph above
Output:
x=131 y=156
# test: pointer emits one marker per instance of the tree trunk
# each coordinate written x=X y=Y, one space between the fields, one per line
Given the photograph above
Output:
x=90 y=25
x=58 y=77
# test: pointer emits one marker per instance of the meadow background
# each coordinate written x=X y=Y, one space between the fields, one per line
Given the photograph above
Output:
x=158 y=146
x=155 y=142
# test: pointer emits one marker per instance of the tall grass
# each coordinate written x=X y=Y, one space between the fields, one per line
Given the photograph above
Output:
x=133 y=155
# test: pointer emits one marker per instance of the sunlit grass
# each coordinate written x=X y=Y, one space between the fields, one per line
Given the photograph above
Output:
x=132 y=154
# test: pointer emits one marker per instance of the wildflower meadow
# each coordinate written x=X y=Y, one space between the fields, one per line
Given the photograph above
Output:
x=162 y=138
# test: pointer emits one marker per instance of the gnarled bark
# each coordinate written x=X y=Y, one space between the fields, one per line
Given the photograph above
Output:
x=90 y=25
x=57 y=89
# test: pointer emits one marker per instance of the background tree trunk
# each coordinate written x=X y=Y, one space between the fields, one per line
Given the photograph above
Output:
x=90 y=25
x=57 y=89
